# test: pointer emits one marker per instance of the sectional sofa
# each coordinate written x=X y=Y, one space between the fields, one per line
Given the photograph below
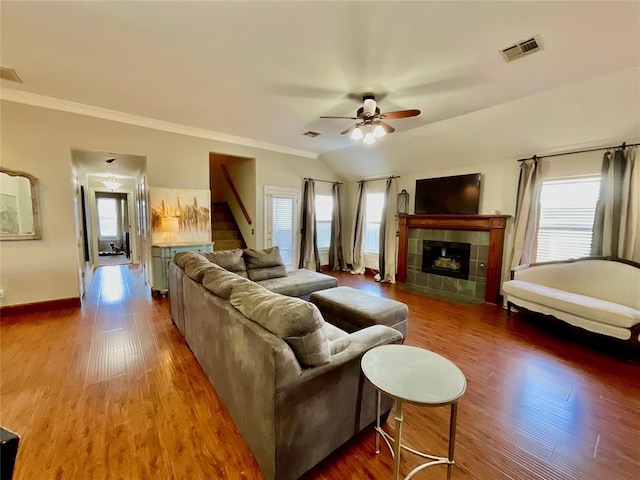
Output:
x=290 y=380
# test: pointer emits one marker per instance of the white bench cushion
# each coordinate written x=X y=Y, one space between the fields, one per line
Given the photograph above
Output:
x=581 y=305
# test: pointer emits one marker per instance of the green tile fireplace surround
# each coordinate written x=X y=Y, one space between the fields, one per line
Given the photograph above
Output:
x=474 y=287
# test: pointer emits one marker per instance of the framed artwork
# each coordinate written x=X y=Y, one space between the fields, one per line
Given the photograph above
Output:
x=180 y=215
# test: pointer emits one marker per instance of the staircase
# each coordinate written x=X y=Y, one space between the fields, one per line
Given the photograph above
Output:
x=224 y=229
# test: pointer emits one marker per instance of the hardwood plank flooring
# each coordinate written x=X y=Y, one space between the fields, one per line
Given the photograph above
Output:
x=112 y=391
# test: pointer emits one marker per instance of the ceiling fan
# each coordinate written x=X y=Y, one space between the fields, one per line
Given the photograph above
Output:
x=370 y=121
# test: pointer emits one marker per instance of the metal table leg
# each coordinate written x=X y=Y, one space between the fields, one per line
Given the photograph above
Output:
x=397 y=441
x=452 y=436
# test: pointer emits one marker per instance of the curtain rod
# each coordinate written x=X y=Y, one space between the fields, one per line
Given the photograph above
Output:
x=623 y=146
x=325 y=181
x=379 y=178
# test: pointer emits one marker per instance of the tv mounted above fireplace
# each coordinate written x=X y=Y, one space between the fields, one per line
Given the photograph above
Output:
x=459 y=194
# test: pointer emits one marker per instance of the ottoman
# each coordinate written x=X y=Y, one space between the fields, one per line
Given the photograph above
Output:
x=352 y=310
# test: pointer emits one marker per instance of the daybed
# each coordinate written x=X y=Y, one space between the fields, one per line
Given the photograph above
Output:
x=291 y=381
x=599 y=294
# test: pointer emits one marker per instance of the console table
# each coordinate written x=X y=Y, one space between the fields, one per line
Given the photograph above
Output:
x=162 y=254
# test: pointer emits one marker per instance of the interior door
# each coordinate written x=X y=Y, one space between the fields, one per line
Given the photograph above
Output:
x=281 y=206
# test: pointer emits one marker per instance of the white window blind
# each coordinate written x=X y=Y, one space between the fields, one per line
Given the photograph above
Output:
x=107 y=217
x=324 y=205
x=373 y=217
x=282 y=227
x=567 y=208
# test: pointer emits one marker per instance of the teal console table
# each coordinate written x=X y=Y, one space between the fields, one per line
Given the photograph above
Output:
x=162 y=254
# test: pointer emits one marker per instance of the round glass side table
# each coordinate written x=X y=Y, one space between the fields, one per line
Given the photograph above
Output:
x=416 y=376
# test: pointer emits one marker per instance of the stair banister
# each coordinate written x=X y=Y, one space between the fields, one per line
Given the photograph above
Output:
x=225 y=172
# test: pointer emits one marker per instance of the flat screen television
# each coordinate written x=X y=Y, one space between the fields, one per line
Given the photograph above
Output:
x=459 y=194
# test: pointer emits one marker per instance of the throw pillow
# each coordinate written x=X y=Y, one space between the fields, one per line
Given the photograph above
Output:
x=297 y=322
x=221 y=282
x=264 y=264
x=196 y=271
x=231 y=260
x=181 y=258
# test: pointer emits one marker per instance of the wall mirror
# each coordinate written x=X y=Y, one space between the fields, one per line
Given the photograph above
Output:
x=19 y=216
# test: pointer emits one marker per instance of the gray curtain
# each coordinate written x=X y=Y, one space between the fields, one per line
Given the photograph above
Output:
x=309 y=257
x=336 y=255
x=387 y=250
x=357 y=250
x=527 y=213
x=615 y=224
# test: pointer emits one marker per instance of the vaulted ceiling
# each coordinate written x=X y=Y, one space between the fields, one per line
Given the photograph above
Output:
x=266 y=71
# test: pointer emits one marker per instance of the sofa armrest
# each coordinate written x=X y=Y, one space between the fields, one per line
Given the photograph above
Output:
x=519 y=268
x=362 y=340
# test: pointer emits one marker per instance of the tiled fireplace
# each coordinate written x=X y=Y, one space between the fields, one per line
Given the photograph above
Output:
x=448 y=261
x=462 y=255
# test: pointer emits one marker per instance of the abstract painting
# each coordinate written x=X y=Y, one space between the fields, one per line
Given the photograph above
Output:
x=180 y=215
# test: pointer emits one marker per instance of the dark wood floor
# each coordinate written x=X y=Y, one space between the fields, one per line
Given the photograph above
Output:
x=112 y=391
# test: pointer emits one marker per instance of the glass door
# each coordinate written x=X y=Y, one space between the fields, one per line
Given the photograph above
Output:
x=282 y=223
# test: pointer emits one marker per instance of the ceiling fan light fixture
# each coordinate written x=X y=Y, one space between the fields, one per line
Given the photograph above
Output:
x=369 y=138
x=379 y=131
x=357 y=133
x=369 y=106
x=111 y=183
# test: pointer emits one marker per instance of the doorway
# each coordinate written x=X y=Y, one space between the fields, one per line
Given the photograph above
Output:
x=281 y=211
x=113 y=232
x=109 y=198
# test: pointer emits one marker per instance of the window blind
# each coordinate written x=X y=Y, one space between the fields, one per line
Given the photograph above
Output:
x=282 y=223
x=567 y=209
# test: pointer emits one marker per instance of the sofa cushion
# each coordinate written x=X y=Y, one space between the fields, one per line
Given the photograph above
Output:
x=297 y=322
x=196 y=271
x=231 y=260
x=299 y=283
x=264 y=264
x=181 y=258
x=221 y=282
x=581 y=305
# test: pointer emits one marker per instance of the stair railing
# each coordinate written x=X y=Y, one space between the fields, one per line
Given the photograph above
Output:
x=225 y=172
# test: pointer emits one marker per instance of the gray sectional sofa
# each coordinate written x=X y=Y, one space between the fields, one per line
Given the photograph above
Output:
x=290 y=380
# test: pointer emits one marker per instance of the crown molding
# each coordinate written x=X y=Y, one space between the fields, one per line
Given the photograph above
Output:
x=52 y=103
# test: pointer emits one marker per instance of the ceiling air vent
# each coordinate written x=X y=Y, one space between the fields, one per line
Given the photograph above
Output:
x=8 y=73
x=520 y=49
x=312 y=134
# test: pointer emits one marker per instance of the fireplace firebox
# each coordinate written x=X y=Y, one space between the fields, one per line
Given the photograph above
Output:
x=449 y=259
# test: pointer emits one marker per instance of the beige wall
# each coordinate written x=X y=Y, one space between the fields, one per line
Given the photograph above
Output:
x=39 y=141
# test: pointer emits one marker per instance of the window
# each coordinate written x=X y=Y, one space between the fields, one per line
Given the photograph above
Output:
x=107 y=217
x=281 y=225
x=324 y=205
x=567 y=208
x=372 y=218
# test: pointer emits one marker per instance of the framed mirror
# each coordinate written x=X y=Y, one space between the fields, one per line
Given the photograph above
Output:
x=19 y=216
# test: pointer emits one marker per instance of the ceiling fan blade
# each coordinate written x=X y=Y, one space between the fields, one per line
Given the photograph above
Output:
x=349 y=130
x=347 y=118
x=387 y=128
x=400 y=114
